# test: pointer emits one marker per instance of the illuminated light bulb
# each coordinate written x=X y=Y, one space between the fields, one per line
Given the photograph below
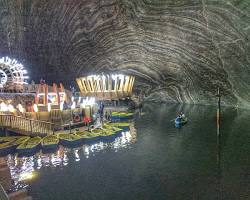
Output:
x=61 y=106
x=20 y=108
x=35 y=108
x=3 y=107
x=114 y=76
x=49 y=107
x=121 y=76
x=11 y=108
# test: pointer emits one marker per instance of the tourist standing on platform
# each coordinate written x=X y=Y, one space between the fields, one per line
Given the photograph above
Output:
x=101 y=112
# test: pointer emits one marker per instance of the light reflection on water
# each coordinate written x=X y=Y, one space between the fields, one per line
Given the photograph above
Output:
x=31 y=165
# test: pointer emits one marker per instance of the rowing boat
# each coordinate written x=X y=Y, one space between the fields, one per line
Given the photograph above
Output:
x=122 y=125
x=108 y=135
x=181 y=122
x=8 y=139
x=121 y=116
x=50 y=142
x=11 y=143
x=69 y=139
x=29 y=146
x=88 y=137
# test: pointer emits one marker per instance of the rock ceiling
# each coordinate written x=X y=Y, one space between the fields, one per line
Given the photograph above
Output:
x=179 y=50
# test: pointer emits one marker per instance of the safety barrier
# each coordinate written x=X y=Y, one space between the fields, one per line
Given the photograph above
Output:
x=27 y=126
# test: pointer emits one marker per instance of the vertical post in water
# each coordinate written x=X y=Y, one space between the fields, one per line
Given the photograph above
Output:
x=30 y=126
x=219 y=143
x=218 y=113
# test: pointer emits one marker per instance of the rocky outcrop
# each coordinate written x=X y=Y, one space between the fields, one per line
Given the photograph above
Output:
x=180 y=51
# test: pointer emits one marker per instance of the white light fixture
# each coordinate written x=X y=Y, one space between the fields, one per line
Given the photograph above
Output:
x=49 y=107
x=61 y=106
x=20 y=108
x=35 y=108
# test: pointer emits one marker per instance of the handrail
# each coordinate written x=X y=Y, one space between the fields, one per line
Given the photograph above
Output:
x=3 y=194
x=27 y=118
x=29 y=126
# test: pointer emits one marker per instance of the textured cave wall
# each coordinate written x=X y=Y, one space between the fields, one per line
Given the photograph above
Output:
x=179 y=50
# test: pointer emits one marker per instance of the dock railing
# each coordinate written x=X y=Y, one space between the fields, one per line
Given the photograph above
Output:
x=3 y=194
x=27 y=126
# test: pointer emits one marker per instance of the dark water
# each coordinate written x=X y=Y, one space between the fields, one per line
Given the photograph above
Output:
x=161 y=163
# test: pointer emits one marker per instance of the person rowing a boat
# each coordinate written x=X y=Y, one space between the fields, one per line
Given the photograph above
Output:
x=178 y=119
x=182 y=116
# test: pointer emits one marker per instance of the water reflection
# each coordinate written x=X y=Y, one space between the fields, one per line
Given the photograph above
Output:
x=26 y=169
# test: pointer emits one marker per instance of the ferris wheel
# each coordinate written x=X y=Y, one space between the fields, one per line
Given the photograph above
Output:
x=12 y=74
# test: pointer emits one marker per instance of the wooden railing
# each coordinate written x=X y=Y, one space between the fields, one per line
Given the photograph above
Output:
x=3 y=194
x=27 y=126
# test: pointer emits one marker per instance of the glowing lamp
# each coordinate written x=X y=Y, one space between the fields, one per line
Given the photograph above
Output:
x=61 y=106
x=20 y=108
x=49 y=107
x=35 y=108
x=3 y=107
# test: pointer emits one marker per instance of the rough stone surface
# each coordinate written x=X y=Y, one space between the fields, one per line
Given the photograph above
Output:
x=179 y=50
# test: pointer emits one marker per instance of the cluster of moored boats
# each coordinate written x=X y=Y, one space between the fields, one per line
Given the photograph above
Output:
x=26 y=144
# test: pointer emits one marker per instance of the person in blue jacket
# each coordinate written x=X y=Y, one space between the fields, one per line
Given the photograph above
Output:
x=178 y=119
x=101 y=112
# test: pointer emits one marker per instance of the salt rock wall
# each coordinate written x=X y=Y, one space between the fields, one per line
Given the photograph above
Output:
x=179 y=50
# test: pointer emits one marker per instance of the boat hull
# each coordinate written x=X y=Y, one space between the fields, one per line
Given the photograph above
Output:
x=7 y=150
x=49 y=146
x=70 y=143
x=180 y=123
x=29 y=150
x=91 y=140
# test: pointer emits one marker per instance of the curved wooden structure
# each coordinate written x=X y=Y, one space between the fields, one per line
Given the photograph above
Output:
x=107 y=87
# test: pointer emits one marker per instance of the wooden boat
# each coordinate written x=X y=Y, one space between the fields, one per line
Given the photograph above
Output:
x=121 y=116
x=29 y=146
x=117 y=130
x=21 y=140
x=108 y=135
x=97 y=131
x=50 y=142
x=11 y=144
x=88 y=137
x=8 y=139
x=69 y=139
x=122 y=125
x=6 y=148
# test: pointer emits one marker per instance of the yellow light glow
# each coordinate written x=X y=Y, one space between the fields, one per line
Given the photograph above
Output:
x=35 y=108
x=25 y=176
x=11 y=108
